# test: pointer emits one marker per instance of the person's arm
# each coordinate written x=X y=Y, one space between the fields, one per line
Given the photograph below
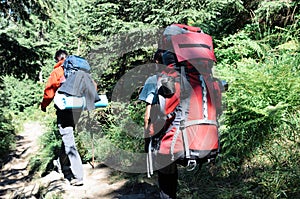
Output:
x=52 y=85
x=147 y=116
x=146 y=123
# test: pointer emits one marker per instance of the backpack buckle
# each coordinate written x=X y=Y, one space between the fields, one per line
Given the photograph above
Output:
x=182 y=124
x=191 y=165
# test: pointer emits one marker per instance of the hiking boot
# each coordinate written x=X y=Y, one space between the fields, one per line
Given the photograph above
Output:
x=76 y=182
x=57 y=165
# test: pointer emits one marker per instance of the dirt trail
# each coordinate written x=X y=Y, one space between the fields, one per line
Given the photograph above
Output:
x=14 y=174
x=16 y=182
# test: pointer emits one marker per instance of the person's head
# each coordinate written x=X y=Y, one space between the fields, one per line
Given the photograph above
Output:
x=158 y=56
x=60 y=55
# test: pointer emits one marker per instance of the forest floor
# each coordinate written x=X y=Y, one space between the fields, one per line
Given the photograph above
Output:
x=16 y=181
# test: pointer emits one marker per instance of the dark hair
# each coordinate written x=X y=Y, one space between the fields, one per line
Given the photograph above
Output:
x=60 y=54
x=158 y=56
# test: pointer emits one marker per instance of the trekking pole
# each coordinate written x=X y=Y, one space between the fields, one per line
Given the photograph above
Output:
x=92 y=137
x=93 y=152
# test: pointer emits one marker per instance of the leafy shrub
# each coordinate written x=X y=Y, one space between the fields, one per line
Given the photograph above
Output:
x=237 y=47
x=259 y=138
x=7 y=130
x=7 y=134
x=22 y=94
x=123 y=129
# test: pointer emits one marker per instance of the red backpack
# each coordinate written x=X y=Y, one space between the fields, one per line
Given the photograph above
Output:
x=189 y=99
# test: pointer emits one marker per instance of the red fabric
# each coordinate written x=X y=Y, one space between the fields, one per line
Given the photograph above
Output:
x=192 y=45
x=203 y=137
x=53 y=83
x=200 y=137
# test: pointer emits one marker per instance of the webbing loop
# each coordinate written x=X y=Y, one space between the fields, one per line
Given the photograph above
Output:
x=191 y=165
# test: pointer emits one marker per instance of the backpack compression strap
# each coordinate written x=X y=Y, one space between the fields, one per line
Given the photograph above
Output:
x=185 y=93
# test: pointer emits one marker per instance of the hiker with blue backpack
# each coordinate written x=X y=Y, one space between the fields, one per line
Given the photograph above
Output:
x=70 y=77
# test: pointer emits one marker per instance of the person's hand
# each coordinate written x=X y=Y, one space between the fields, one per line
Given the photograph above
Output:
x=43 y=108
x=146 y=144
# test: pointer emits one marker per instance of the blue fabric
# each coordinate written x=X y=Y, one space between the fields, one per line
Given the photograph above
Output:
x=149 y=91
x=80 y=84
x=74 y=62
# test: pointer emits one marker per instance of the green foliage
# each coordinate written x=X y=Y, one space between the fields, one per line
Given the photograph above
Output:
x=275 y=13
x=21 y=51
x=107 y=72
x=123 y=128
x=260 y=122
x=7 y=131
x=257 y=47
x=257 y=103
x=19 y=10
x=115 y=128
x=7 y=134
x=22 y=94
x=17 y=60
x=238 y=47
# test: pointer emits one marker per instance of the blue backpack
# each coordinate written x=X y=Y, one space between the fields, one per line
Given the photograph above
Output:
x=75 y=63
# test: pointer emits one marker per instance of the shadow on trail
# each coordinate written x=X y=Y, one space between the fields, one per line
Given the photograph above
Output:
x=13 y=154
x=137 y=186
x=138 y=190
x=14 y=171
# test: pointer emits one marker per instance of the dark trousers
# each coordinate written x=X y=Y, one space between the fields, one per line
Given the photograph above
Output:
x=67 y=118
x=168 y=181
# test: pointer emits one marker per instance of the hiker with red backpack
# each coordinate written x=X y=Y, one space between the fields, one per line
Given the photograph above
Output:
x=68 y=78
x=183 y=126
x=167 y=177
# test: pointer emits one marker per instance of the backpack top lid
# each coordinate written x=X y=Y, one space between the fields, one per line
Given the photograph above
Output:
x=192 y=45
x=74 y=62
x=189 y=42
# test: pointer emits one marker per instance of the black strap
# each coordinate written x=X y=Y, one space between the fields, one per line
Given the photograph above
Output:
x=194 y=46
